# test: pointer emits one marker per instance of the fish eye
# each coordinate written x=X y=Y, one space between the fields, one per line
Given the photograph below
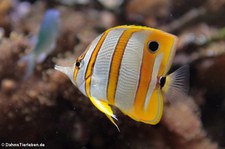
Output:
x=153 y=46
x=77 y=64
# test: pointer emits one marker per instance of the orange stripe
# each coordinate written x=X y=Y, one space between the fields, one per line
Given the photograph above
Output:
x=91 y=63
x=79 y=59
x=144 y=81
x=115 y=64
x=75 y=74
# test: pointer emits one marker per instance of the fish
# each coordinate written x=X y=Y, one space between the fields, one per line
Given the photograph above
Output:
x=46 y=40
x=126 y=67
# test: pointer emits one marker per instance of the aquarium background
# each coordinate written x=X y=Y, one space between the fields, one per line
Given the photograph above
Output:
x=46 y=108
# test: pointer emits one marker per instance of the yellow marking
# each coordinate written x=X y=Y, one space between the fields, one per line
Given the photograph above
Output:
x=155 y=108
x=115 y=64
x=75 y=74
x=166 y=85
x=79 y=60
x=91 y=63
x=171 y=55
x=105 y=108
x=137 y=27
x=154 y=112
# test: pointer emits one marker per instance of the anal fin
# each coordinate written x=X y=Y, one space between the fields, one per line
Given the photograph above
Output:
x=106 y=109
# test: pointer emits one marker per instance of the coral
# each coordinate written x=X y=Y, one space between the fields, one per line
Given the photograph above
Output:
x=10 y=49
x=148 y=11
x=184 y=124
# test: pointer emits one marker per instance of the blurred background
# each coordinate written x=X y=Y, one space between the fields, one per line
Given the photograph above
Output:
x=44 y=106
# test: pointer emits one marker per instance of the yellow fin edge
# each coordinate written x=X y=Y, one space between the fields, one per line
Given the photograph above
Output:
x=105 y=108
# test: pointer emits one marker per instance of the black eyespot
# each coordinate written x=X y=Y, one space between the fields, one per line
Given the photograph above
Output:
x=162 y=81
x=78 y=64
x=153 y=46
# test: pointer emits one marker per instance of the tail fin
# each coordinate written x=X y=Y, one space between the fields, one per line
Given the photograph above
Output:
x=30 y=60
x=177 y=83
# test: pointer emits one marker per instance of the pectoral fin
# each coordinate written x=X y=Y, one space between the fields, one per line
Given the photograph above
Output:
x=176 y=85
x=105 y=108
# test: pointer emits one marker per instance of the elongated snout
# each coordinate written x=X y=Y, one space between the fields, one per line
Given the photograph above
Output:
x=69 y=71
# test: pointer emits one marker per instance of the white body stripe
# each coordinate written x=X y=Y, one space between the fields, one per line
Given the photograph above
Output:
x=99 y=81
x=83 y=67
x=130 y=72
x=153 y=82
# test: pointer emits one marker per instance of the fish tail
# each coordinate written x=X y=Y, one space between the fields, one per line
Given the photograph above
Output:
x=175 y=85
x=30 y=60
